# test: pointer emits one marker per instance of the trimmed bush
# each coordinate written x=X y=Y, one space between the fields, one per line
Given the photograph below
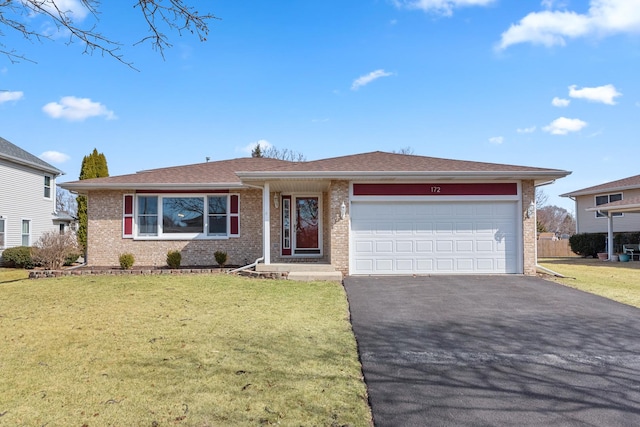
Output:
x=126 y=261
x=174 y=258
x=70 y=259
x=18 y=257
x=588 y=244
x=221 y=258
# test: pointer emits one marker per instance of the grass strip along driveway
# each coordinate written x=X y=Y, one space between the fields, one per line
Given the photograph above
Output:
x=618 y=281
x=203 y=350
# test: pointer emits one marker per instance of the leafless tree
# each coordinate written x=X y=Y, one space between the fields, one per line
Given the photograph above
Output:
x=65 y=202
x=283 y=154
x=404 y=150
x=541 y=198
x=555 y=219
x=158 y=15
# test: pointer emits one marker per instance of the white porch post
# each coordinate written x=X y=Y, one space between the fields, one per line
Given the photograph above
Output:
x=610 y=235
x=266 y=224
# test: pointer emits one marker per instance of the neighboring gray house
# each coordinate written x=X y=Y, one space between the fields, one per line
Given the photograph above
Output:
x=28 y=197
x=620 y=197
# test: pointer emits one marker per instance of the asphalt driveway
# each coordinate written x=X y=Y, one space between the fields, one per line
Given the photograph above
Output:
x=494 y=350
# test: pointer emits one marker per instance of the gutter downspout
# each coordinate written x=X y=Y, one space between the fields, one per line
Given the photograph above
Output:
x=548 y=271
x=246 y=267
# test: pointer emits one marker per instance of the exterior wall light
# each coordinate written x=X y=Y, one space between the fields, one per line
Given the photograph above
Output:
x=343 y=210
x=531 y=210
x=276 y=200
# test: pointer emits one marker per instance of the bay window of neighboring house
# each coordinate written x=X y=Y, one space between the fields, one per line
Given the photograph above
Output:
x=608 y=198
x=183 y=217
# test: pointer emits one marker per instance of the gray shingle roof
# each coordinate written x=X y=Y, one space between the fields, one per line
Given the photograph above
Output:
x=629 y=183
x=238 y=172
x=16 y=154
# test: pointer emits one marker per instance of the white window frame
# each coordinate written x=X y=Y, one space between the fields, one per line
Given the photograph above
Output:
x=608 y=196
x=22 y=234
x=3 y=232
x=204 y=235
x=50 y=187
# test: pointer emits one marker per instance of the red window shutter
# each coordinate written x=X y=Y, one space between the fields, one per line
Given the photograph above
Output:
x=235 y=201
x=234 y=215
x=127 y=216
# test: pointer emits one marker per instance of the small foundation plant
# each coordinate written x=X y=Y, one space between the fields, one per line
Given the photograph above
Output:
x=126 y=261
x=221 y=258
x=174 y=258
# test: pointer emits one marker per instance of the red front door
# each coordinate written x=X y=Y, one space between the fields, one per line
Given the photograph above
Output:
x=307 y=221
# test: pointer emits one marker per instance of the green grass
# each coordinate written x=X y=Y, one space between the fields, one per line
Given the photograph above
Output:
x=193 y=350
x=619 y=281
x=12 y=274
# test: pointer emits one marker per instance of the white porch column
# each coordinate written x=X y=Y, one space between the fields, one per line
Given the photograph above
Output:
x=610 y=235
x=266 y=224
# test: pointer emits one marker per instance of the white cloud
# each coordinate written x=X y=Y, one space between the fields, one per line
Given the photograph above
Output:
x=73 y=9
x=6 y=96
x=560 y=102
x=604 y=94
x=264 y=144
x=554 y=27
x=54 y=157
x=77 y=109
x=368 y=78
x=441 y=7
x=563 y=125
x=526 y=130
x=496 y=140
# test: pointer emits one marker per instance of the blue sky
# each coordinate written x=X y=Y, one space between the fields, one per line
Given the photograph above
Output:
x=536 y=83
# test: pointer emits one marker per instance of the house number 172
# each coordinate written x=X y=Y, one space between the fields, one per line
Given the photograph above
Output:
x=435 y=189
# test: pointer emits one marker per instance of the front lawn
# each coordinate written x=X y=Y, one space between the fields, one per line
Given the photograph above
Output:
x=193 y=350
x=619 y=281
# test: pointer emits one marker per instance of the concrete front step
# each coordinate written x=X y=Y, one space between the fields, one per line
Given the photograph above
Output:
x=302 y=272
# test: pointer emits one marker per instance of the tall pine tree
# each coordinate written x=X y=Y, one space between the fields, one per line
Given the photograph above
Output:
x=93 y=166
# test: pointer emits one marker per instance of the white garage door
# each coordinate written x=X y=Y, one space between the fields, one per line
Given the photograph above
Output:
x=433 y=237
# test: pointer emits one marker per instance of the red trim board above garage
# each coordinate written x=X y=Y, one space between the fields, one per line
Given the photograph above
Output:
x=437 y=189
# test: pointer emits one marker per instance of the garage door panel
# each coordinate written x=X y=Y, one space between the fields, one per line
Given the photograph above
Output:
x=363 y=247
x=424 y=265
x=423 y=246
x=444 y=228
x=434 y=237
x=384 y=265
x=384 y=246
x=465 y=265
x=464 y=246
x=444 y=245
x=405 y=246
x=405 y=266
x=444 y=264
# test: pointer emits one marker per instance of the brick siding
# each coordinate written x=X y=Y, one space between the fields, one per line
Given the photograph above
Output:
x=105 y=242
x=528 y=229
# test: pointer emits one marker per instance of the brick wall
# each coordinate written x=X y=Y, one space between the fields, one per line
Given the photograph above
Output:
x=528 y=229
x=105 y=242
x=339 y=227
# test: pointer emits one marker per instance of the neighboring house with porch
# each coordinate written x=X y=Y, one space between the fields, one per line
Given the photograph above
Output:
x=28 y=197
x=591 y=212
x=365 y=214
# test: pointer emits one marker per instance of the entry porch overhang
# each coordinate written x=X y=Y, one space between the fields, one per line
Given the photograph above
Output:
x=631 y=205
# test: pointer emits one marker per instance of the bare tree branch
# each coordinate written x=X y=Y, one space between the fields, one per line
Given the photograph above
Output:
x=159 y=15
